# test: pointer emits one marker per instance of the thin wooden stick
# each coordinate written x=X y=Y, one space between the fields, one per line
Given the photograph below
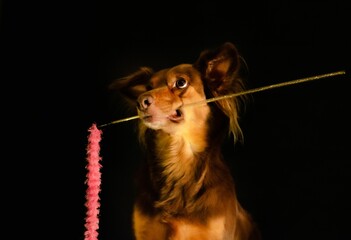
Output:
x=259 y=89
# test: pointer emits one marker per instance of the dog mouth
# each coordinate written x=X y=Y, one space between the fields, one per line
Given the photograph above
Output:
x=176 y=116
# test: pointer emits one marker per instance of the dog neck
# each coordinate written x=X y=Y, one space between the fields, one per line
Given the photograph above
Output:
x=179 y=167
x=177 y=153
x=177 y=160
x=181 y=148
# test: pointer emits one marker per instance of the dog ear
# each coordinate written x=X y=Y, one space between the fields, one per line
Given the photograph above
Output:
x=219 y=67
x=132 y=86
x=220 y=70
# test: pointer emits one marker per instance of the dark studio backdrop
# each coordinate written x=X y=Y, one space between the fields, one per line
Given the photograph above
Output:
x=293 y=170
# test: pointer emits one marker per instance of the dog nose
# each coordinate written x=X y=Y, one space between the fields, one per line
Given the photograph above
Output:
x=145 y=101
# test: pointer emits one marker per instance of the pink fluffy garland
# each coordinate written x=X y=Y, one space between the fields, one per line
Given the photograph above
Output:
x=93 y=181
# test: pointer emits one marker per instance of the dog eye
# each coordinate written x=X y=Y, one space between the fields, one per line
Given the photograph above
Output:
x=181 y=83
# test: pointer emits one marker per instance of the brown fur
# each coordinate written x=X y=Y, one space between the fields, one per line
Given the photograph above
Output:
x=186 y=191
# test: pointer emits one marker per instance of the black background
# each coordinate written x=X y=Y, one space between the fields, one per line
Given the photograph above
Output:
x=293 y=170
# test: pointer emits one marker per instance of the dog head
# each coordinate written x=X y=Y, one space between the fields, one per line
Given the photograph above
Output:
x=163 y=99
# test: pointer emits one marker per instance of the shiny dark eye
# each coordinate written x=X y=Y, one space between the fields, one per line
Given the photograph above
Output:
x=181 y=83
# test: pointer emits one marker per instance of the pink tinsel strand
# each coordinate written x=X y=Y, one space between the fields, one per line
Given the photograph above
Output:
x=93 y=181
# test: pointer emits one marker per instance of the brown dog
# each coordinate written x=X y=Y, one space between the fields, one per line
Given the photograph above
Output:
x=186 y=191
